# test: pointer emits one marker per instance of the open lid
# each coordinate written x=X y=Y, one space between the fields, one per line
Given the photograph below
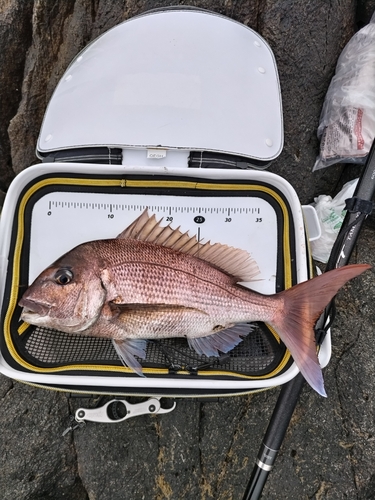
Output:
x=175 y=79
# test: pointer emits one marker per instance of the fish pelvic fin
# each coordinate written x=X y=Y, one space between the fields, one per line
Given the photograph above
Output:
x=128 y=349
x=222 y=341
x=233 y=261
x=302 y=306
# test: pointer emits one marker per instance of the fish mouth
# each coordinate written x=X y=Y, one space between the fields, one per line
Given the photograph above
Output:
x=33 y=309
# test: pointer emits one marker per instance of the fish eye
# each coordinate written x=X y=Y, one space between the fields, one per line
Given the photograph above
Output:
x=63 y=276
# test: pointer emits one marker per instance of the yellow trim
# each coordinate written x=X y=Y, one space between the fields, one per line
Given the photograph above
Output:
x=131 y=183
x=274 y=333
x=22 y=329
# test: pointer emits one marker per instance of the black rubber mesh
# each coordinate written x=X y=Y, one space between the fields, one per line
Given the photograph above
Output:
x=257 y=354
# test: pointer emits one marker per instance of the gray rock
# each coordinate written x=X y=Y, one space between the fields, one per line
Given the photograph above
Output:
x=201 y=450
x=15 y=38
x=36 y=463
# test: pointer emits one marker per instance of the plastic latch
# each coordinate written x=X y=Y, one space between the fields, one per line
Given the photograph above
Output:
x=355 y=205
x=312 y=222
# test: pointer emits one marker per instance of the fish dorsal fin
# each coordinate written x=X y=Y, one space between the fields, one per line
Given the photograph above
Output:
x=234 y=261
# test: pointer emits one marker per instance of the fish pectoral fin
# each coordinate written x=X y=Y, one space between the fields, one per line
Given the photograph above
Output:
x=134 y=307
x=222 y=341
x=153 y=314
x=128 y=349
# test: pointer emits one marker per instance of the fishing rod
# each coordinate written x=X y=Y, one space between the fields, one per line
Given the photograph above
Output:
x=358 y=208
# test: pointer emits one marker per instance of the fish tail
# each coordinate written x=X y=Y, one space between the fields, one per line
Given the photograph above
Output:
x=301 y=307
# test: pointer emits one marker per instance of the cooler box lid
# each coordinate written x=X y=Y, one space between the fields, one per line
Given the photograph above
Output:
x=171 y=79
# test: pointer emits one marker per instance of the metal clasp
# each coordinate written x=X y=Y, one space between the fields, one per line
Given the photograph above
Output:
x=118 y=410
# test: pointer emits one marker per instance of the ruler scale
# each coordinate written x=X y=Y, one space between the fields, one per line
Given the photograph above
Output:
x=61 y=221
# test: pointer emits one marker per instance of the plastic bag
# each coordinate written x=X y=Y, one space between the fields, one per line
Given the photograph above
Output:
x=331 y=214
x=347 y=122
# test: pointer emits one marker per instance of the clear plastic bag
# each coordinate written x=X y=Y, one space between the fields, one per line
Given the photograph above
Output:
x=331 y=213
x=347 y=122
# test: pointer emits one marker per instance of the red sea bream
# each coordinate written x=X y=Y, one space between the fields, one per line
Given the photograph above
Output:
x=156 y=282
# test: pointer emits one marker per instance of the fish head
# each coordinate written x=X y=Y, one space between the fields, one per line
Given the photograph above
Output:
x=67 y=296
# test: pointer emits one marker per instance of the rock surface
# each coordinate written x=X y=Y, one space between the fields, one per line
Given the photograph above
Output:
x=202 y=450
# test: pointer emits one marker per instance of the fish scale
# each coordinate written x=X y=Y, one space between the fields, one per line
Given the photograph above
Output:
x=199 y=285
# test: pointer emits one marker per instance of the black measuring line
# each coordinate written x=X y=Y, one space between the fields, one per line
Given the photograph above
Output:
x=358 y=208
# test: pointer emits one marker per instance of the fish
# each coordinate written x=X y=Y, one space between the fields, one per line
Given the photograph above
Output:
x=154 y=282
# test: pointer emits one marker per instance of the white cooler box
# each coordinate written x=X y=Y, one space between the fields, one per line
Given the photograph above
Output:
x=168 y=111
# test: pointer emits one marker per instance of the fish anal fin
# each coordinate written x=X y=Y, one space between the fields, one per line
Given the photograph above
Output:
x=300 y=307
x=233 y=261
x=222 y=341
